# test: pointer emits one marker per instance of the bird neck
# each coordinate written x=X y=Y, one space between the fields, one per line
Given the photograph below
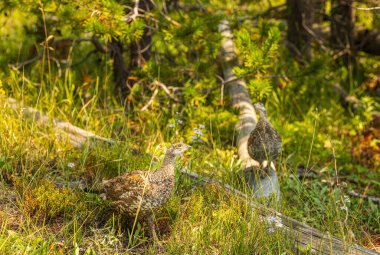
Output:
x=167 y=167
x=263 y=115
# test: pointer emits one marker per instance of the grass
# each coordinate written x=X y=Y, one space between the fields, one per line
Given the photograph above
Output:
x=37 y=217
x=44 y=219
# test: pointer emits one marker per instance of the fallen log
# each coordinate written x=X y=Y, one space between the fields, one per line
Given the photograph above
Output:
x=76 y=136
x=304 y=235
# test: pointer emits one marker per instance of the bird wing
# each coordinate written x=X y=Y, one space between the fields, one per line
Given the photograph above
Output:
x=126 y=186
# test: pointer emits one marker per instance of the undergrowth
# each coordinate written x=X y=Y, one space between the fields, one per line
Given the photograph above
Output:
x=41 y=213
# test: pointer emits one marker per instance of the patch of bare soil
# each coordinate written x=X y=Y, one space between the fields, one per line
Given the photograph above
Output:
x=10 y=214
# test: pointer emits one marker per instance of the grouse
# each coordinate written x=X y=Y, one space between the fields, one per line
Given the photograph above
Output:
x=139 y=194
x=264 y=142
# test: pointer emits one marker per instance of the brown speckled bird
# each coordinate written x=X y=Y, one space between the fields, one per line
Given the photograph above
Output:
x=139 y=194
x=264 y=142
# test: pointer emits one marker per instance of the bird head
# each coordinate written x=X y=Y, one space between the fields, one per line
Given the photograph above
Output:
x=178 y=148
x=260 y=108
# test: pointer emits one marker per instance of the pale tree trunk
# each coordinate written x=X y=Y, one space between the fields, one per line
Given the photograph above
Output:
x=237 y=88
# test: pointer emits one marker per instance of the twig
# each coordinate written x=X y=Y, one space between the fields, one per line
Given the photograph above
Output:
x=166 y=90
x=27 y=62
x=135 y=13
x=374 y=199
x=312 y=34
x=175 y=23
x=367 y=8
x=155 y=92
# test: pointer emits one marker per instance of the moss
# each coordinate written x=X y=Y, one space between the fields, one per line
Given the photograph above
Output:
x=48 y=201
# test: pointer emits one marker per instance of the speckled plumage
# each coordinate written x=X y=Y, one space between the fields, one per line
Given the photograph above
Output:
x=141 y=192
x=264 y=142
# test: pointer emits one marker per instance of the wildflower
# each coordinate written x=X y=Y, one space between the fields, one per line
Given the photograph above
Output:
x=278 y=224
x=198 y=132
x=271 y=230
x=201 y=126
x=194 y=138
x=274 y=221
x=71 y=165
x=271 y=219
x=179 y=121
x=171 y=125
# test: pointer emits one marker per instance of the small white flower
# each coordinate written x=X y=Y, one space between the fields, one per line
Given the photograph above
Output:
x=171 y=125
x=179 y=121
x=271 y=230
x=271 y=219
x=201 y=126
x=71 y=165
x=278 y=224
x=198 y=132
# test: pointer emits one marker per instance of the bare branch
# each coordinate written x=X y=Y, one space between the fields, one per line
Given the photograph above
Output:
x=363 y=196
x=150 y=102
x=368 y=8
x=166 y=90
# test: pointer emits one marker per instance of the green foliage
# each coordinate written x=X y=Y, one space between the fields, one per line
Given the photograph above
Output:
x=316 y=130
x=48 y=201
x=257 y=60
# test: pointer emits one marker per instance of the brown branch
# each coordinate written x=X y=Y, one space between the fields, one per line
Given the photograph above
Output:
x=166 y=90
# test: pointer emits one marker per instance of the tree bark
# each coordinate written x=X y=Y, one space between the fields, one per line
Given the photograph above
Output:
x=319 y=10
x=140 y=50
x=342 y=29
x=368 y=41
x=300 y=20
x=120 y=72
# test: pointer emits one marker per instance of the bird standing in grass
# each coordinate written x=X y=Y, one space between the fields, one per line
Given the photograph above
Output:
x=139 y=194
x=264 y=142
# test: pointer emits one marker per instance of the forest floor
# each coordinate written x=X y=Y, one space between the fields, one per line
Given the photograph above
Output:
x=329 y=152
